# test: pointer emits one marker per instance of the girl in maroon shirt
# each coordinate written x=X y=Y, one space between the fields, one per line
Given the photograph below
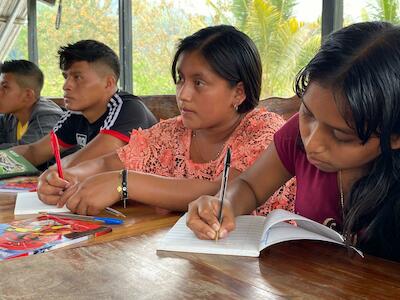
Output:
x=343 y=146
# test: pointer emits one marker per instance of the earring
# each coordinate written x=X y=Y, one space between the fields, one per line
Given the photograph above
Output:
x=236 y=107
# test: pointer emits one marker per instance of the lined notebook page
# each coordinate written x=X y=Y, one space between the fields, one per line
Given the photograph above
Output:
x=286 y=232
x=243 y=241
x=29 y=204
x=278 y=216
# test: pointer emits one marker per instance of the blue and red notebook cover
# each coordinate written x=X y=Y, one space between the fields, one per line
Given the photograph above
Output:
x=44 y=233
x=19 y=184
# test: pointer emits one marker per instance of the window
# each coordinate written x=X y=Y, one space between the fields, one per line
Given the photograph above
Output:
x=371 y=10
x=287 y=35
x=157 y=27
x=19 y=49
x=80 y=19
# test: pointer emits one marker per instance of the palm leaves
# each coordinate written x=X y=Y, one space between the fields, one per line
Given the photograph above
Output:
x=285 y=7
x=387 y=10
x=240 y=9
x=285 y=44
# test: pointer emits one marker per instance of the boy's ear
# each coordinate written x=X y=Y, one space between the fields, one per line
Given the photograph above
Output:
x=110 y=81
x=240 y=94
x=30 y=95
x=395 y=141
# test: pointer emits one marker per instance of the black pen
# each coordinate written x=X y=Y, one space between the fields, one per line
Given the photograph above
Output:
x=224 y=183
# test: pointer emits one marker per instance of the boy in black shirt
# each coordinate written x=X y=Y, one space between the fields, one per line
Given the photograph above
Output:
x=99 y=117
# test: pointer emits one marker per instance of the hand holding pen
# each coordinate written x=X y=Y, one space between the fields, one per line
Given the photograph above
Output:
x=52 y=184
x=211 y=217
x=224 y=183
x=53 y=189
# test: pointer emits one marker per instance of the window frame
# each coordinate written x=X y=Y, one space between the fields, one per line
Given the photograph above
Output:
x=331 y=19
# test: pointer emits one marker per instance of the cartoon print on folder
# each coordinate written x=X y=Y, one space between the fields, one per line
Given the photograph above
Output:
x=10 y=165
x=32 y=236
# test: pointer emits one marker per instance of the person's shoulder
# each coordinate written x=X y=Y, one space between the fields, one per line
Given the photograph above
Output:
x=164 y=132
x=123 y=105
x=129 y=102
x=261 y=119
x=288 y=136
x=7 y=118
x=73 y=115
x=264 y=115
x=69 y=117
x=174 y=124
x=44 y=107
x=126 y=98
x=127 y=95
x=291 y=127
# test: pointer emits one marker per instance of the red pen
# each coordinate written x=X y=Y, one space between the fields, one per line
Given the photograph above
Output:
x=56 y=152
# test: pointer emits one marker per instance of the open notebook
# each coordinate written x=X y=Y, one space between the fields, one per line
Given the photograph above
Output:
x=29 y=204
x=252 y=234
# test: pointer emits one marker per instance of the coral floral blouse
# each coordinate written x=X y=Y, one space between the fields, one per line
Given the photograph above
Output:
x=164 y=150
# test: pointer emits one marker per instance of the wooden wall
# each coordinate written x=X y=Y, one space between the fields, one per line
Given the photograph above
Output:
x=164 y=106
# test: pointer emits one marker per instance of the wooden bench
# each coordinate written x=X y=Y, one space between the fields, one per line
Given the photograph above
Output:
x=164 y=106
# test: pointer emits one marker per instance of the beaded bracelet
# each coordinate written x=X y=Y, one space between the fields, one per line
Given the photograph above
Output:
x=123 y=188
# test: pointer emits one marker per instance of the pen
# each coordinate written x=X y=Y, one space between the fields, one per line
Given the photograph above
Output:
x=114 y=212
x=56 y=152
x=224 y=182
x=108 y=221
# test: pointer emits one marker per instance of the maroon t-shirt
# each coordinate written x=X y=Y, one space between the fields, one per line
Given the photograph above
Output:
x=317 y=194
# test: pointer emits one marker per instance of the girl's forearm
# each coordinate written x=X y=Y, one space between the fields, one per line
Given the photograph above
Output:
x=241 y=197
x=165 y=192
x=99 y=165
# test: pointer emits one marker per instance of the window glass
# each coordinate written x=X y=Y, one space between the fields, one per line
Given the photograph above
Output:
x=19 y=50
x=287 y=35
x=80 y=19
x=371 y=10
x=157 y=27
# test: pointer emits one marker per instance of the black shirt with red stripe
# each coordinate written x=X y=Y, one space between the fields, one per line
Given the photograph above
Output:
x=124 y=113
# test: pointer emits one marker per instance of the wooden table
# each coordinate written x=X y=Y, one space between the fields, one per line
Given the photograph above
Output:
x=119 y=267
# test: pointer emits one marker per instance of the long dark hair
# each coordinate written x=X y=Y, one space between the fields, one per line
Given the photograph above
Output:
x=361 y=64
x=231 y=54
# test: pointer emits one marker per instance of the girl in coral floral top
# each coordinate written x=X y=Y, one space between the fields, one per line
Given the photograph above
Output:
x=217 y=72
x=164 y=149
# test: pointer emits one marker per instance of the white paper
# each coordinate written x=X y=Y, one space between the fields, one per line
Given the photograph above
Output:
x=243 y=241
x=306 y=229
x=29 y=204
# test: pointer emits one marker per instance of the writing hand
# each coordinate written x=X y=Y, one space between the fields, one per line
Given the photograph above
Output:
x=51 y=186
x=94 y=194
x=202 y=218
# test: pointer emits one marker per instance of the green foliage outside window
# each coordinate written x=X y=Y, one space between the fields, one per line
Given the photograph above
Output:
x=285 y=43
